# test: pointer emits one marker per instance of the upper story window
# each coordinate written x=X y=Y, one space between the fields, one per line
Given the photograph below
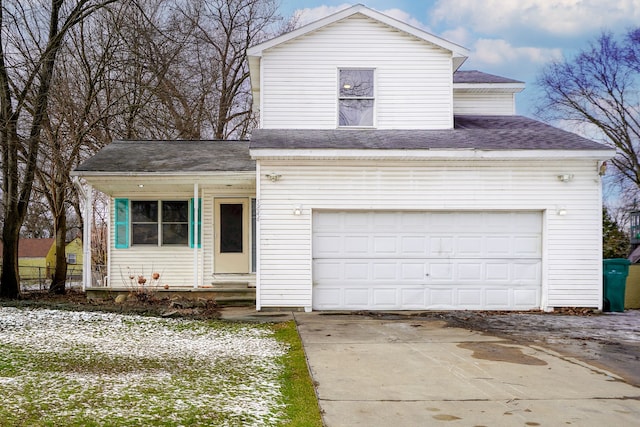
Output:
x=155 y=221
x=356 y=97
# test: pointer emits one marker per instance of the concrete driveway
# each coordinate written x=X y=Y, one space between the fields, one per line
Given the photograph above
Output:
x=377 y=372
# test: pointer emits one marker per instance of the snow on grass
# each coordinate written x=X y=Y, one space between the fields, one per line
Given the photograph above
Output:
x=111 y=369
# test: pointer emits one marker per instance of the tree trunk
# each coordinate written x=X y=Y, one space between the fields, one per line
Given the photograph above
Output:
x=10 y=278
x=58 y=282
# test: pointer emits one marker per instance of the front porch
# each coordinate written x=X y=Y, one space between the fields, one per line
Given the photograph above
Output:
x=228 y=290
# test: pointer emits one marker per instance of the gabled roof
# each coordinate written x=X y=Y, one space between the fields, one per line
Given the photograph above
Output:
x=457 y=50
x=32 y=248
x=254 y=53
x=169 y=157
x=469 y=132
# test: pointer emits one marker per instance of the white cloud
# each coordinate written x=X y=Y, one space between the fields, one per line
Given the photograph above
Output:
x=500 y=52
x=459 y=35
x=405 y=17
x=559 y=17
x=308 y=15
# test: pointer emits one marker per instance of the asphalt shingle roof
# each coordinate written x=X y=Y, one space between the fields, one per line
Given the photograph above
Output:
x=475 y=76
x=171 y=156
x=470 y=132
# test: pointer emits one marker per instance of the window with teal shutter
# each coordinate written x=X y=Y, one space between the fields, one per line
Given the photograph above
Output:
x=121 y=223
x=193 y=226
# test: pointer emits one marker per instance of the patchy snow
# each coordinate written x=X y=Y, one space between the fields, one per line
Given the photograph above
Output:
x=236 y=366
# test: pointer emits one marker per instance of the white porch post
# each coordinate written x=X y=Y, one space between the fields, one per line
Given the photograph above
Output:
x=86 y=247
x=196 y=236
x=86 y=193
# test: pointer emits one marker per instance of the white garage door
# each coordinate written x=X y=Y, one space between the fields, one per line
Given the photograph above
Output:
x=426 y=260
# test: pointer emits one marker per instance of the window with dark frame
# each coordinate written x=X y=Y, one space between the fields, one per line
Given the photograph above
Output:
x=155 y=221
x=355 y=97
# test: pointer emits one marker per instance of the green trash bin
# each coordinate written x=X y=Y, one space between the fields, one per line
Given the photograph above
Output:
x=615 y=272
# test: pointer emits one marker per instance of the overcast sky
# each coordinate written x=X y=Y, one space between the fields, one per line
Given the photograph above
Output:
x=511 y=38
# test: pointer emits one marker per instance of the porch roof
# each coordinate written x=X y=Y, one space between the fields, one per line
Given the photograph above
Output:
x=166 y=157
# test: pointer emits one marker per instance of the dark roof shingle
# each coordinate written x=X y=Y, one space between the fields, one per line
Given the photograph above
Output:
x=171 y=156
x=475 y=76
x=470 y=132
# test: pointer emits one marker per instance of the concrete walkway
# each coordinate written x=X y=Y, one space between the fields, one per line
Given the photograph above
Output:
x=373 y=372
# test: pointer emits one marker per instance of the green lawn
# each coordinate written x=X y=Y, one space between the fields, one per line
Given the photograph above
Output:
x=107 y=369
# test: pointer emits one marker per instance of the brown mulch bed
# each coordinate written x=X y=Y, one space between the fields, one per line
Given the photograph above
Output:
x=145 y=304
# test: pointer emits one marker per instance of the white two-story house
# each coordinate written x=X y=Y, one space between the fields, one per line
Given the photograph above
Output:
x=381 y=177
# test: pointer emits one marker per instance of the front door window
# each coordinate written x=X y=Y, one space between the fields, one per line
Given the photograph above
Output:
x=231 y=227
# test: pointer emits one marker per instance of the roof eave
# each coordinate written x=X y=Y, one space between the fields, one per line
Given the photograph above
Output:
x=483 y=87
x=430 y=154
x=149 y=174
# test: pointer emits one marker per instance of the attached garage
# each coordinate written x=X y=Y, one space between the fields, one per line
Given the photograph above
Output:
x=407 y=260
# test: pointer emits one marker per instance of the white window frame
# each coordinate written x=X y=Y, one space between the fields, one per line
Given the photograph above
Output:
x=373 y=98
x=72 y=258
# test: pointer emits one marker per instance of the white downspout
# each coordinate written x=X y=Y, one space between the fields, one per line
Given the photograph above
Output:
x=258 y=239
x=196 y=237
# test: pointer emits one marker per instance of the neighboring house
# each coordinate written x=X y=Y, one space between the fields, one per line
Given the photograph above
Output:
x=73 y=252
x=37 y=258
x=382 y=177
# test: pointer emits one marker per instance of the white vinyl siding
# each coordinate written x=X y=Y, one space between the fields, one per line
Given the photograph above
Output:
x=571 y=256
x=484 y=103
x=413 y=77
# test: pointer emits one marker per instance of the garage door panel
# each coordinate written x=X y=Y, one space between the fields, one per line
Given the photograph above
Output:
x=498 y=272
x=498 y=245
x=356 y=298
x=356 y=271
x=470 y=298
x=413 y=245
x=496 y=298
x=527 y=246
x=470 y=271
x=423 y=260
x=385 y=245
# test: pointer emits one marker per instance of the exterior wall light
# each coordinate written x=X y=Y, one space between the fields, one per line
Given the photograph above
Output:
x=562 y=211
x=297 y=210
x=565 y=177
x=273 y=176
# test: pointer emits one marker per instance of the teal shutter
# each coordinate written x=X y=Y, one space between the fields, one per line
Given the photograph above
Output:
x=193 y=226
x=122 y=223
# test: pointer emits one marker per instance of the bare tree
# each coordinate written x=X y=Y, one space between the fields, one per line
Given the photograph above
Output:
x=598 y=91
x=229 y=28
x=73 y=126
x=31 y=35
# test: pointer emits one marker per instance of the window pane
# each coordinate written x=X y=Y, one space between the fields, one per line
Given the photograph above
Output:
x=145 y=234
x=231 y=228
x=144 y=211
x=356 y=112
x=175 y=234
x=175 y=212
x=356 y=83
